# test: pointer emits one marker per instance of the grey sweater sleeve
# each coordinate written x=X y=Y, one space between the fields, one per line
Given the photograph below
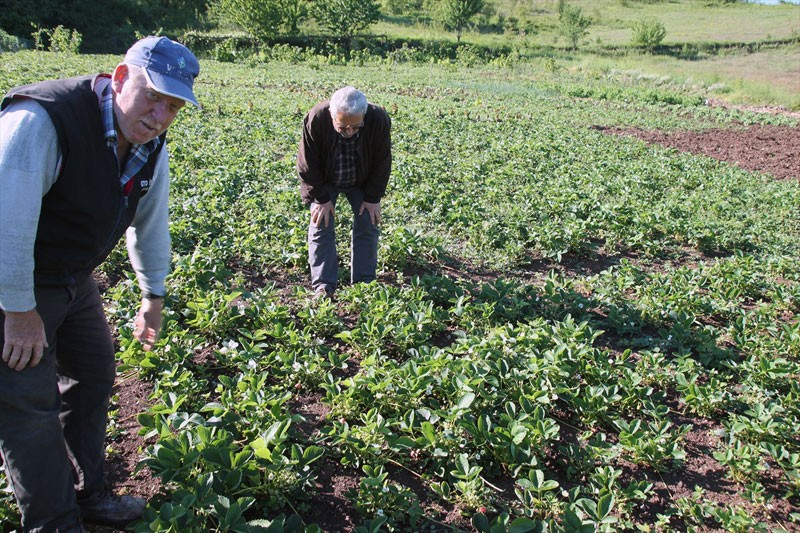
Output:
x=148 y=237
x=29 y=159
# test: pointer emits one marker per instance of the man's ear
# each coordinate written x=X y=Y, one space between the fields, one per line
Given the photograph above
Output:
x=120 y=75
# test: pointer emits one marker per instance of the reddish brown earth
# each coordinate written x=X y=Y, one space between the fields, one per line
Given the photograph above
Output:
x=770 y=149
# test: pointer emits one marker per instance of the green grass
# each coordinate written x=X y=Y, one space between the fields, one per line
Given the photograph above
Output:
x=769 y=76
x=766 y=77
x=685 y=21
x=694 y=21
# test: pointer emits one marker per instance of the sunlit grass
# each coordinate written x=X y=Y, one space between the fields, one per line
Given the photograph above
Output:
x=685 y=21
x=766 y=77
x=694 y=21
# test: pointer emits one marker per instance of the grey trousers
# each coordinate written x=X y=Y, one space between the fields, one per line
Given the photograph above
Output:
x=363 y=246
x=53 y=416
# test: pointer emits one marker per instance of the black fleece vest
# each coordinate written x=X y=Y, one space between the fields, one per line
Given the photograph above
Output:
x=85 y=213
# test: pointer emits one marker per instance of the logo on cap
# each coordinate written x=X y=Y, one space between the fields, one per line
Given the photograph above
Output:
x=170 y=67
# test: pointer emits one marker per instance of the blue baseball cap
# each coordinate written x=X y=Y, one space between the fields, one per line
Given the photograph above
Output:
x=170 y=68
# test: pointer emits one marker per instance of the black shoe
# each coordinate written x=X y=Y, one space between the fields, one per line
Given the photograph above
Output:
x=323 y=293
x=109 y=509
x=77 y=527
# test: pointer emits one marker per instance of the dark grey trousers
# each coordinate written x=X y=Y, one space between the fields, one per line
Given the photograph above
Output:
x=53 y=416
x=363 y=246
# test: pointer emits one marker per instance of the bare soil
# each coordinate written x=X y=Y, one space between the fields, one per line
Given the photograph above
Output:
x=773 y=150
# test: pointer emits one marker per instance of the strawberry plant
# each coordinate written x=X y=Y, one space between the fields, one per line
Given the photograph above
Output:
x=558 y=310
x=377 y=497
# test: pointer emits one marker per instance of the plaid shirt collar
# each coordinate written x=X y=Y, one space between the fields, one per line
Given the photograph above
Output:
x=139 y=153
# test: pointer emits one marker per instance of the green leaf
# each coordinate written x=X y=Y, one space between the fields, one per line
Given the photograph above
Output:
x=233 y=479
x=572 y=521
x=480 y=522
x=465 y=401
x=146 y=420
x=404 y=443
x=428 y=431
x=604 y=505
x=524 y=525
x=261 y=450
x=168 y=457
x=165 y=511
x=276 y=432
x=311 y=454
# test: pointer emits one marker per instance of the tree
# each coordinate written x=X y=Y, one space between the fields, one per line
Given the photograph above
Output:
x=648 y=33
x=345 y=17
x=260 y=18
x=572 y=23
x=109 y=26
x=456 y=14
x=403 y=7
x=293 y=12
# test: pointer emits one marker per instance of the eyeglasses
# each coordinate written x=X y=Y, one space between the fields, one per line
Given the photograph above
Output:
x=344 y=123
x=344 y=128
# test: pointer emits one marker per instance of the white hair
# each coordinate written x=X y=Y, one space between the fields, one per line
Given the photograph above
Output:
x=135 y=69
x=135 y=72
x=348 y=101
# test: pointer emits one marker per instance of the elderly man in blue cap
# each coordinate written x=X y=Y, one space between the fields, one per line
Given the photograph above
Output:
x=82 y=161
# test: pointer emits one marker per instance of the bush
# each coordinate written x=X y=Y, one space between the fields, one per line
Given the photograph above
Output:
x=258 y=18
x=403 y=7
x=293 y=13
x=109 y=26
x=344 y=18
x=468 y=56
x=456 y=14
x=10 y=43
x=688 y=51
x=648 y=33
x=225 y=51
x=572 y=23
x=288 y=53
x=59 y=39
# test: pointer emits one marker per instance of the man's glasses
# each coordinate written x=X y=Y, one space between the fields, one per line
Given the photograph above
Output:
x=346 y=125
x=344 y=128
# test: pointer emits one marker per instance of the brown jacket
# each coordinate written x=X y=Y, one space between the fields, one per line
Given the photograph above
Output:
x=315 y=157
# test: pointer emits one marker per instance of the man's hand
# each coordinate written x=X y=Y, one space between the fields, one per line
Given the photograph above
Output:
x=148 y=322
x=322 y=214
x=25 y=339
x=374 y=211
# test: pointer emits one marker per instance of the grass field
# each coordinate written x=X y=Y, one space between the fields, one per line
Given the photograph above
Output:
x=686 y=21
x=571 y=330
x=767 y=77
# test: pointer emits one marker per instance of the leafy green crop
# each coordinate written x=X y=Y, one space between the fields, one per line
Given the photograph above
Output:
x=560 y=313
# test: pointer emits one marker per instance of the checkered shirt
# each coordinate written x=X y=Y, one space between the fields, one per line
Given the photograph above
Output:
x=139 y=153
x=345 y=168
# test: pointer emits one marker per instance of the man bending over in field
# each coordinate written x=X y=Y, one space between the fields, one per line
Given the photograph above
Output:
x=82 y=161
x=345 y=149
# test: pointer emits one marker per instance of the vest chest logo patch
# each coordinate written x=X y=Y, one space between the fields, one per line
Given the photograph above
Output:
x=144 y=184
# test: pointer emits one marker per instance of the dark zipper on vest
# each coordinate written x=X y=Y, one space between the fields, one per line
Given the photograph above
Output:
x=111 y=242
